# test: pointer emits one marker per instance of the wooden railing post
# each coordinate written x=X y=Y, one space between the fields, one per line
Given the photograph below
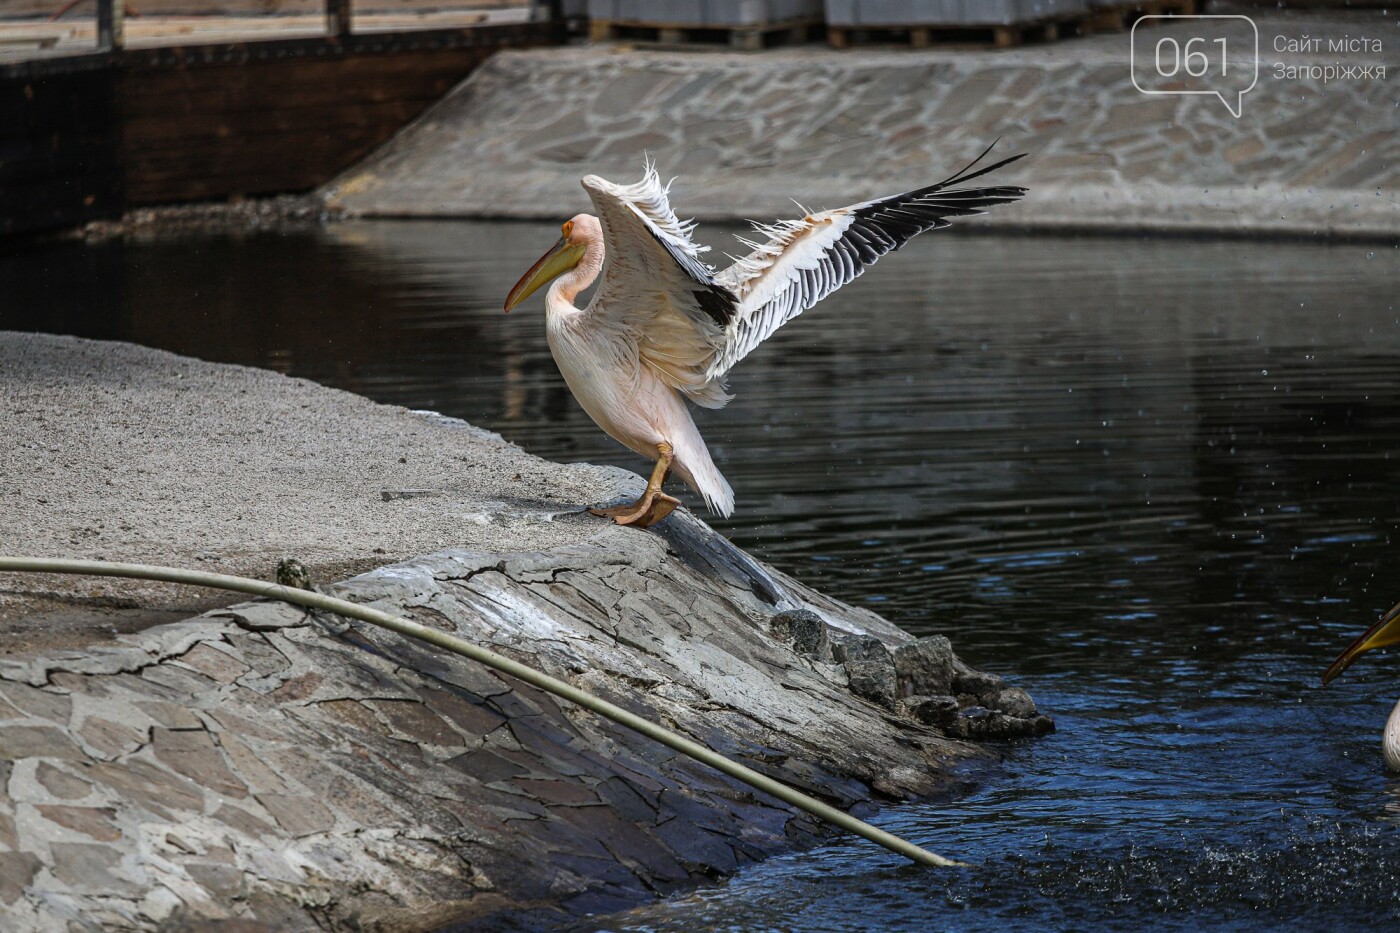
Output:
x=338 y=17
x=111 y=33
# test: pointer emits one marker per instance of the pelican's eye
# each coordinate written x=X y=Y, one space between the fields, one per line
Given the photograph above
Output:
x=568 y=229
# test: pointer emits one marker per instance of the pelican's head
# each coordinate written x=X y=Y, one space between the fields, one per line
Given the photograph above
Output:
x=564 y=255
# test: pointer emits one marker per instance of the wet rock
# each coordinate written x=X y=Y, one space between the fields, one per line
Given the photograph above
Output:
x=869 y=668
x=873 y=681
x=846 y=646
x=805 y=629
x=925 y=667
x=978 y=722
x=1014 y=702
x=975 y=683
x=940 y=711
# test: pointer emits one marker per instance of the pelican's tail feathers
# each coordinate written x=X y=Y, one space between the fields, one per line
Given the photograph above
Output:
x=699 y=472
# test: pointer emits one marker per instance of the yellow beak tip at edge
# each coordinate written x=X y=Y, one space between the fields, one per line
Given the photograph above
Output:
x=1383 y=634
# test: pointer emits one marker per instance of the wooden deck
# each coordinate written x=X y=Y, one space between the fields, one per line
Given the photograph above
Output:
x=76 y=34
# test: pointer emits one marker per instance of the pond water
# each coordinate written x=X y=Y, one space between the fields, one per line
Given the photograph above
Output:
x=1150 y=480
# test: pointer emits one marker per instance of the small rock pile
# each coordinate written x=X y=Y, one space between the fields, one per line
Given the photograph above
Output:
x=923 y=680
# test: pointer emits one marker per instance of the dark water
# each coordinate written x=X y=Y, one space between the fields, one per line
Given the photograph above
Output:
x=1152 y=481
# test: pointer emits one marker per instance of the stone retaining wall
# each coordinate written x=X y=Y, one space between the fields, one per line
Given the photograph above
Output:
x=745 y=133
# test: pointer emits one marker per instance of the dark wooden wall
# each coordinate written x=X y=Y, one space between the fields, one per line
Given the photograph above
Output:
x=82 y=139
x=59 y=161
x=211 y=130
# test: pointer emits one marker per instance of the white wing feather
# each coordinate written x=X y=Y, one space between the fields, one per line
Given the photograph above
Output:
x=655 y=284
x=803 y=261
x=692 y=324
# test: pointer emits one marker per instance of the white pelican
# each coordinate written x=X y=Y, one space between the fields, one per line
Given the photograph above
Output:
x=665 y=326
x=1383 y=634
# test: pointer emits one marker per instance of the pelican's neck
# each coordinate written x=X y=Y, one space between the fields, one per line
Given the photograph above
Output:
x=561 y=295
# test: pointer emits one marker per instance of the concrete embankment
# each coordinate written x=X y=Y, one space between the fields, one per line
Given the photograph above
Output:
x=289 y=771
x=1312 y=153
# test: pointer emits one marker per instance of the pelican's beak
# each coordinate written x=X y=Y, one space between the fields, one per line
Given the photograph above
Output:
x=1383 y=634
x=561 y=257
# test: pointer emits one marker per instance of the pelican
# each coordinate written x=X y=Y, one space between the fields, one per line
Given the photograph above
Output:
x=1383 y=634
x=665 y=326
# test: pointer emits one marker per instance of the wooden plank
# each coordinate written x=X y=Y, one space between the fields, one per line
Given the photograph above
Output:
x=220 y=186
x=53 y=113
x=308 y=81
x=16 y=148
x=995 y=35
x=204 y=96
x=64 y=202
x=357 y=45
x=258 y=156
x=747 y=37
x=45 y=40
x=264 y=165
x=63 y=164
x=206 y=101
x=231 y=127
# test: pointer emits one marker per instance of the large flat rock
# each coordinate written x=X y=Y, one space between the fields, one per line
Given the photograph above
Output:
x=745 y=133
x=115 y=450
x=286 y=771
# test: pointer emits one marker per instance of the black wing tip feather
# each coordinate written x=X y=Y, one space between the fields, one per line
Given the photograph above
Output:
x=957 y=200
x=937 y=202
x=963 y=175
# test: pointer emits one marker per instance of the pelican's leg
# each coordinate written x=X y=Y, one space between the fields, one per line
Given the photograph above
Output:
x=653 y=505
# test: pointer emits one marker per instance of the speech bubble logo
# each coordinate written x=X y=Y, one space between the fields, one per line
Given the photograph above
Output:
x=1214 y=54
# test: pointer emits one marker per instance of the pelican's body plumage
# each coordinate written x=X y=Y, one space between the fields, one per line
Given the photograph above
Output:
x=600 y=362
x=665 y=327
x=1390 y=740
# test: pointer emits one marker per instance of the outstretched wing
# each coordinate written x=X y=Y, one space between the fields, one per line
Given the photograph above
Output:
x=655 y=284
x=806 y=260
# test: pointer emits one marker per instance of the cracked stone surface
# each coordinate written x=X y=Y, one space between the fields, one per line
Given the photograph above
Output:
x=744 y=133
x=282 y=770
